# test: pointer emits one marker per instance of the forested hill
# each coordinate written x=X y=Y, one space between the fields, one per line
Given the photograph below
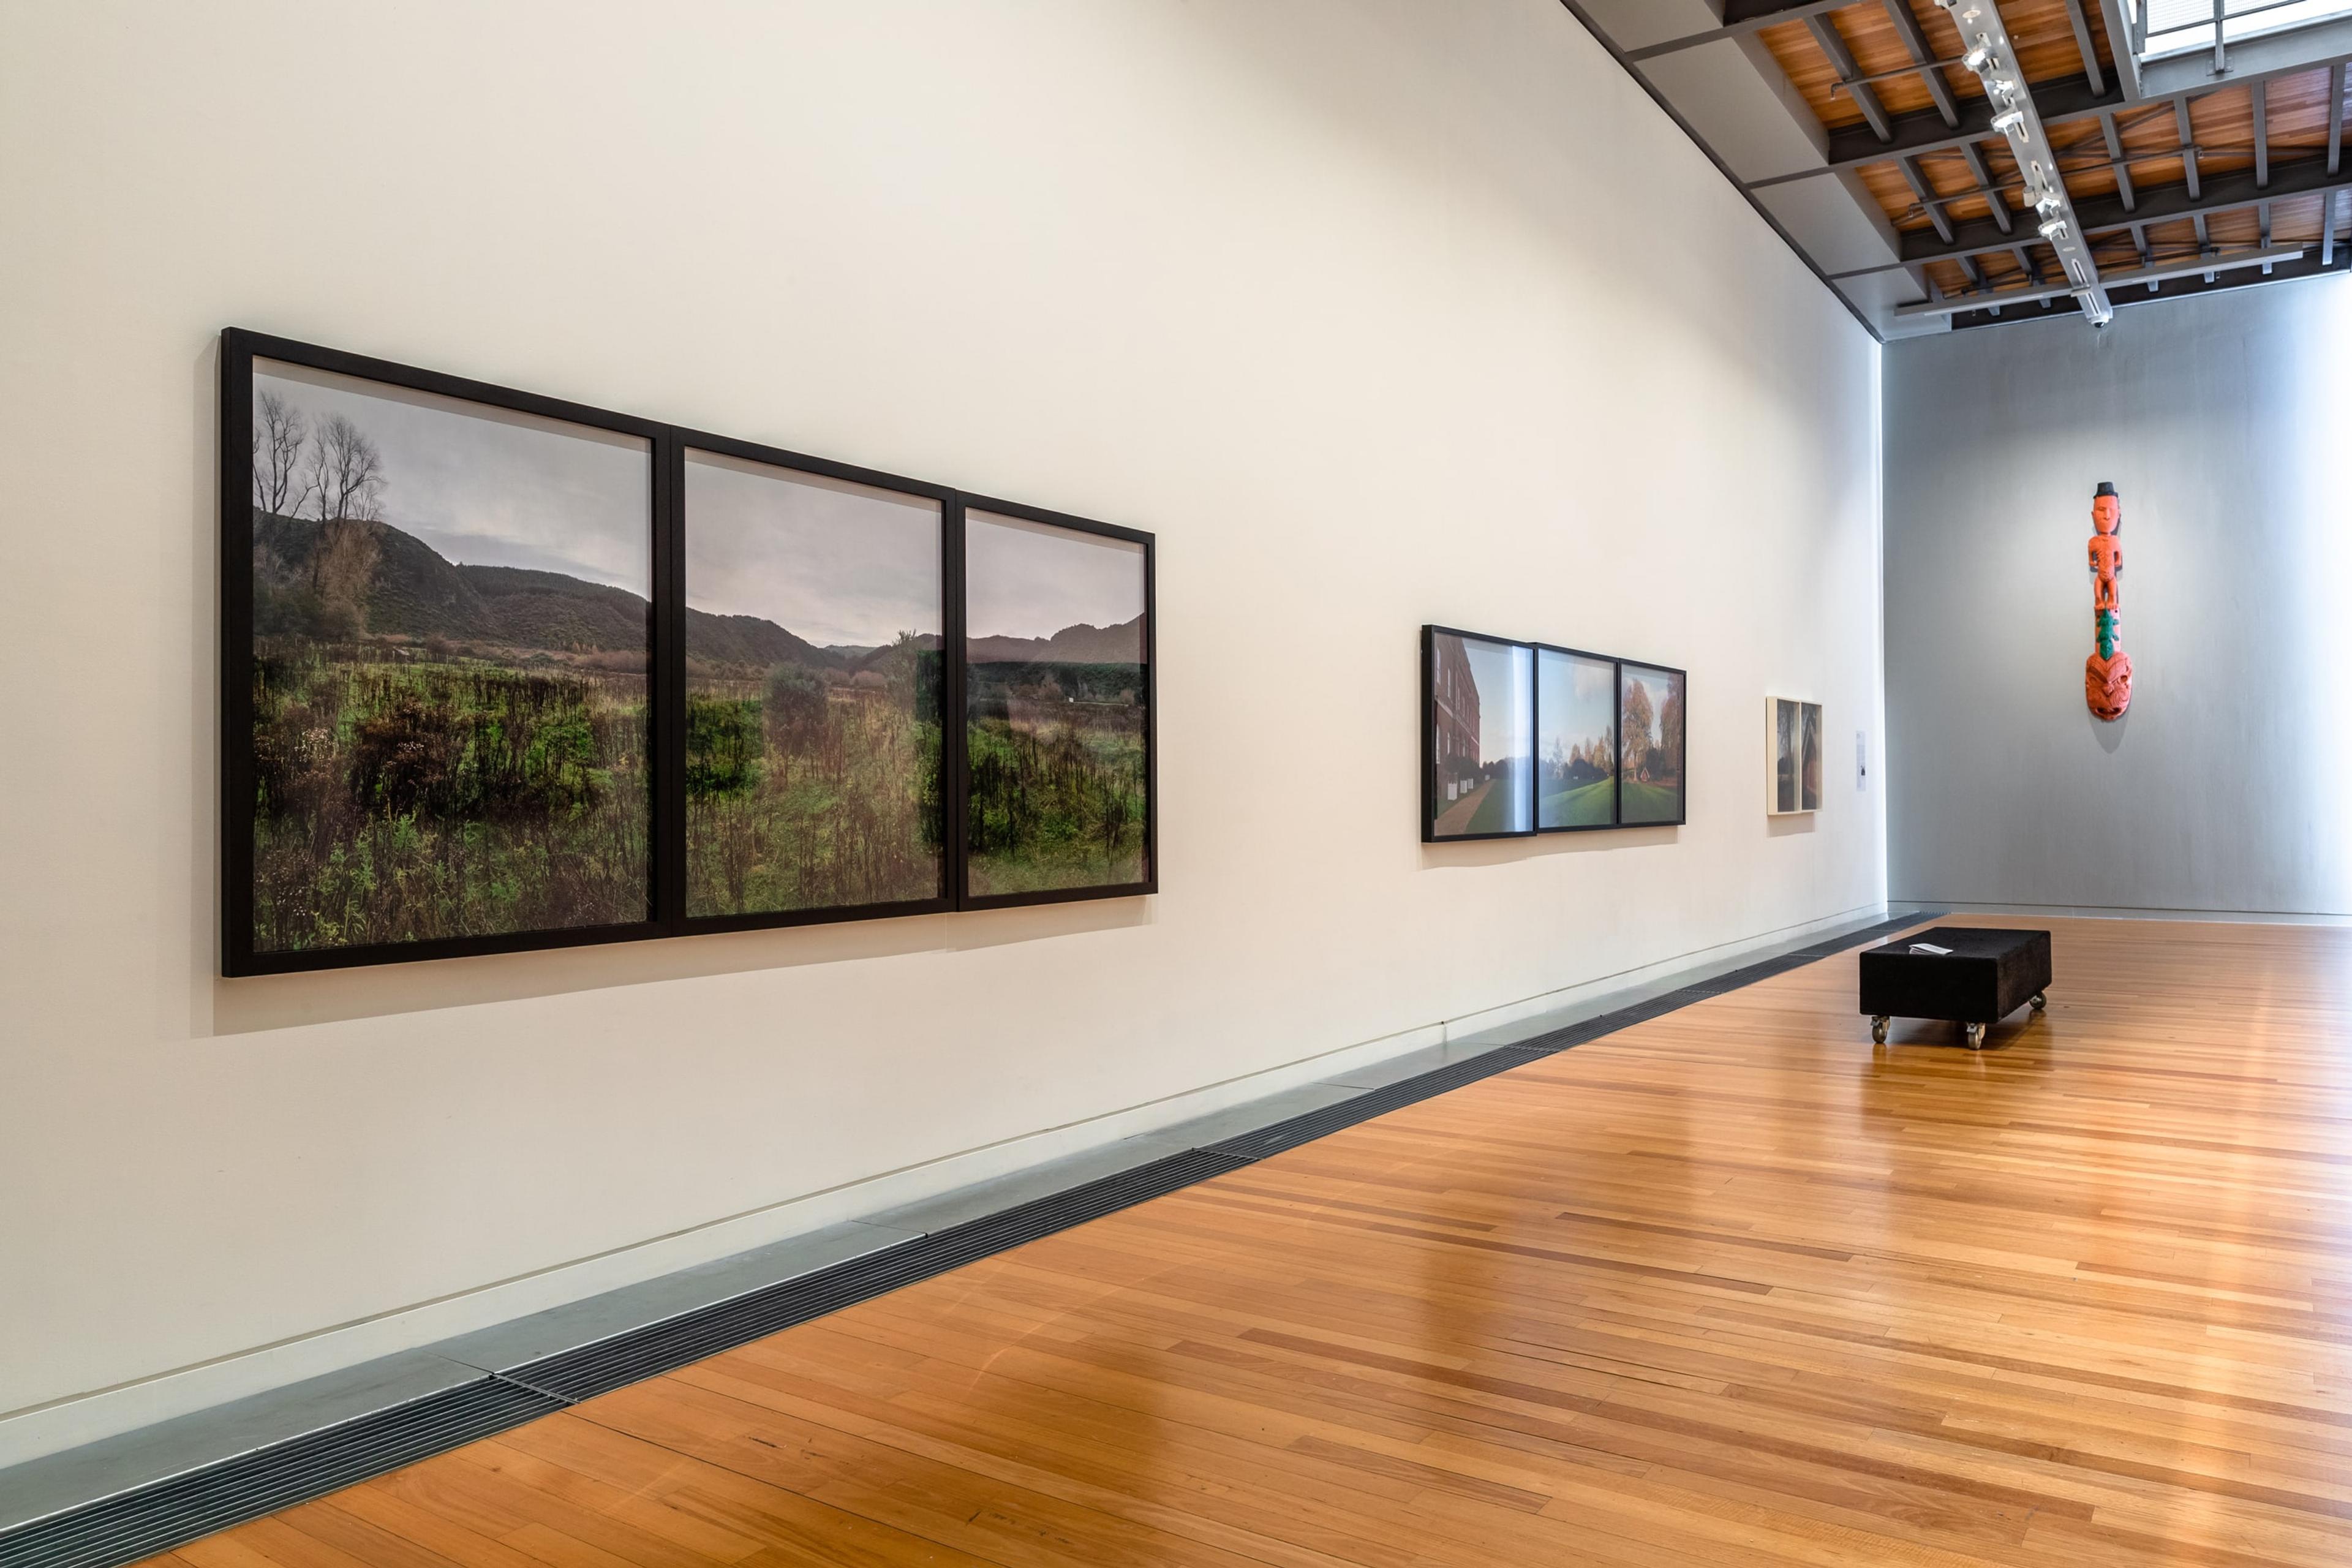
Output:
x=351 y=579
x=1121 y=644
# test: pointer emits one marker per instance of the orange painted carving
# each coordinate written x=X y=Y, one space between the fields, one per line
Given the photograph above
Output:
x=2107 y=673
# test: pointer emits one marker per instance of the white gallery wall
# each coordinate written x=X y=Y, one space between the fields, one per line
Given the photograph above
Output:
x=1377 y=311
x=2223 y=421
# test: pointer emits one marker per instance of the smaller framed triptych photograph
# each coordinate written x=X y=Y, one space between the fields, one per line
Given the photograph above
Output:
x=1793 y=756
x=1521 y=738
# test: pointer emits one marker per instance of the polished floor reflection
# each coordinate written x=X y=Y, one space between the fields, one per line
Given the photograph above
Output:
x=1732 y=1287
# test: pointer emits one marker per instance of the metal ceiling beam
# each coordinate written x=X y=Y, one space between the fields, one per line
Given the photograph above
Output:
x=2118 y=162
x=2066 y=100
x=1906 y=27
x=2162 y=274
x=2151 y=203
x=1865 y=97
x=2086 y=48
x=2336 y=85
x=1982 y=314
x=1739 y=17
x=2116 y=15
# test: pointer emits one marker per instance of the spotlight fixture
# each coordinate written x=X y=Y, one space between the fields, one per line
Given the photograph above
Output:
x=2053 y=229
x=1979 y=54
x=2048 y=205
x=2009 y=121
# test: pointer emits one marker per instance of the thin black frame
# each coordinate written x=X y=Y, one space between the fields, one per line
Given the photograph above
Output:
x=950 y=682
x=965 y=898
x=1616 y=740
x=239 y=349
x=1682 y=790
x=1429 y=834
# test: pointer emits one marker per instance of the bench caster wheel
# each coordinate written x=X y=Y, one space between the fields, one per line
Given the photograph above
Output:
x=1976 y=1036
x=2041 y=1001
x=1878 y=1030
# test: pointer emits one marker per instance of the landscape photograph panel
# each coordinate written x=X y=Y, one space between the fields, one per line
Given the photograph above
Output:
x=1784 y=754
x=813 y=631
x=1650 y=717
x=450 y=643
x=1809 y=769
x=1482 y=737
x=1576 y=739
x=1057 y=695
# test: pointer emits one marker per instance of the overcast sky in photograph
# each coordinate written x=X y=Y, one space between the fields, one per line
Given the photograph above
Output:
x=829 y=562
x=1575 y=700
x=486 y=487
x=1030 y=579
x=1506 y=721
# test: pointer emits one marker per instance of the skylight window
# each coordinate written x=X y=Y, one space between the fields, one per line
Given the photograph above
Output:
x=2161 y=28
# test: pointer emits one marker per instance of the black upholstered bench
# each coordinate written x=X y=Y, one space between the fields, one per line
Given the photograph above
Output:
x=1988 y=976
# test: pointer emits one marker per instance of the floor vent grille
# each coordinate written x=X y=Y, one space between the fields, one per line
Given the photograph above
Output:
x=679 y=1342
x=155 y=1518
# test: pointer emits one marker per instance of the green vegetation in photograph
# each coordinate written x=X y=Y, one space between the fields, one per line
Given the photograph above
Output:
x=1058 y=769
x=403 y=795
x=816 y=784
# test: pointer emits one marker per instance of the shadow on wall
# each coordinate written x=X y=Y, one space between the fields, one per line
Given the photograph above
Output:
x=1497 y=851
x=2109 y=732
x=285 y=1001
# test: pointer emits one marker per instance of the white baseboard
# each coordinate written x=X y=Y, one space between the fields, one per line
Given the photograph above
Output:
x=2130 y=912
x=88 y=1418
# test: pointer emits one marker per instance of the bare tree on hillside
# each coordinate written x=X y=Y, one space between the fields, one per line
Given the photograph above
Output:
x=279 y=436
x=346 y=477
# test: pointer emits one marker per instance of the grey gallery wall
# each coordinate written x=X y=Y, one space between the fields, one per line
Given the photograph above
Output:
x=2222 y=422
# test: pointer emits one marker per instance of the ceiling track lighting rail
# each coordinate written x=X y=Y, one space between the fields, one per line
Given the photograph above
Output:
x=1992 y=58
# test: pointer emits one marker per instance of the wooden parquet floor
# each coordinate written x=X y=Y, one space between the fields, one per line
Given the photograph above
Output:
x=1729 y=1288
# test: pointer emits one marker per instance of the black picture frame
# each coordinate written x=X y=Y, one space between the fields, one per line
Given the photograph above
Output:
x=1429 y=727
x=1682 y=787
x=1149 y=883
x=674 y=685
x=239 y=349
x=1616 y=739
x=666 y=674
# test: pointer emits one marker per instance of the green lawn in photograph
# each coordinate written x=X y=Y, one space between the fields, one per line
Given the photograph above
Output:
x=1494 y=813
x=1586 y=806
x=1651 y=803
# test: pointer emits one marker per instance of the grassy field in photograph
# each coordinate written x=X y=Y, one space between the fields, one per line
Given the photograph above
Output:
x=1056 y=778
x=404 y=794
x=1651 y=803
x=807 y=794
x=1586 y=806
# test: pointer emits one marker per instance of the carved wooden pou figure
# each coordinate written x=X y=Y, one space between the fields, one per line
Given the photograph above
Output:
x=2106 y=674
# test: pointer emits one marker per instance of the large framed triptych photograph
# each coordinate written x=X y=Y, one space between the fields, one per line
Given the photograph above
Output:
x=502 y=672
